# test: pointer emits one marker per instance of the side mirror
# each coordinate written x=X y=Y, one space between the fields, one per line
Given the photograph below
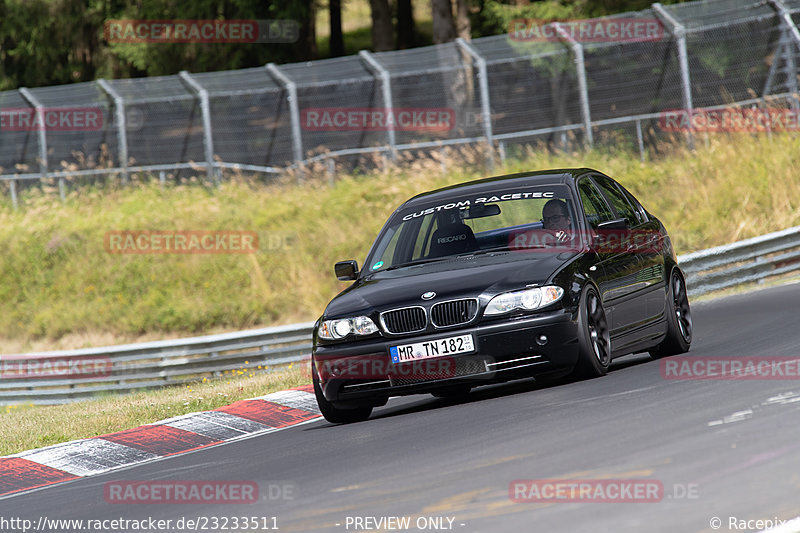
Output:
x=346 y=270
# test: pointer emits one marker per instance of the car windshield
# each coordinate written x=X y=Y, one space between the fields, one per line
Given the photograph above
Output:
x=472 y=224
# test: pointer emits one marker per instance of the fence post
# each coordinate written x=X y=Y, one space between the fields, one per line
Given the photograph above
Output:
x=386 y=91
x=679 y=32
x=294 y=115
x=13 y=185
x=791 y=67
x=580 y=67
x=205 y=109
x=331 y=171
x=122 y=124
x=773 y=67
x=640 y=139
x=486 y=110
x=42 y=133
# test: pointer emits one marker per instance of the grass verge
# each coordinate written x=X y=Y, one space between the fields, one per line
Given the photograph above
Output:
x=25 y=427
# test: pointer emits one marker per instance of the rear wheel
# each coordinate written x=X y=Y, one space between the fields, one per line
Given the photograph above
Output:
x=679 y=320
x=335 y=414
x=594 y=339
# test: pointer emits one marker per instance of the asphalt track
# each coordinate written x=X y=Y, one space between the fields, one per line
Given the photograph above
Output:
x=719 y=448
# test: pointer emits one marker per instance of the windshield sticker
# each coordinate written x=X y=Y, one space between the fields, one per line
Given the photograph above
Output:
x=480 y=200
x=377 y=265
x=514 y=196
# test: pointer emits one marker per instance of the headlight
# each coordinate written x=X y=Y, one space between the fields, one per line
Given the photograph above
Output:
x=529 y=299
x=342 y=327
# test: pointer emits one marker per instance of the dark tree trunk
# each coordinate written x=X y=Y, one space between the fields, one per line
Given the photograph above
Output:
x=444 y=28
x=337 y=39
x=307 y=43
x=382 y=38
x=405 y=25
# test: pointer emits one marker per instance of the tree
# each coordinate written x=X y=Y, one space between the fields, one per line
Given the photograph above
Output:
x=462 y=20
x=35 y=51
x=337 y=39
x=405 y=25
x=307 y=43
x=382 y=39
x=444 y=28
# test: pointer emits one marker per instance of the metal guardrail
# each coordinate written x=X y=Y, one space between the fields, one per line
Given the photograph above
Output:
x=35 y=377
x=742 y=262
x=39 y=377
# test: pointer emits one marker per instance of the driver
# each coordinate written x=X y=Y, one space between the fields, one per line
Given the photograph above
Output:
x=555 y=215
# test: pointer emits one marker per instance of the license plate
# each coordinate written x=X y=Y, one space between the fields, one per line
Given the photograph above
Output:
x=428 y=349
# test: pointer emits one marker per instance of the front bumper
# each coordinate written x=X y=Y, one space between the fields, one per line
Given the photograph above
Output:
x=504 y=350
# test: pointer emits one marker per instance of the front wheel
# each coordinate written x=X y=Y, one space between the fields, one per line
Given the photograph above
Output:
x=679 y=320
x=594 y=339
x=335 y=414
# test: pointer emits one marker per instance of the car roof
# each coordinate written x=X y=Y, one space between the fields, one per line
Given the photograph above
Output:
x=562 y=176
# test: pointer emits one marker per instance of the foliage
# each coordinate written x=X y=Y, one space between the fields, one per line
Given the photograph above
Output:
x=47 y=42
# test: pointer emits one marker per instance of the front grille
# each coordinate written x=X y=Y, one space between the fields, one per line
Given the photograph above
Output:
x=412 y=372
x=406 y=320
x=454 y=312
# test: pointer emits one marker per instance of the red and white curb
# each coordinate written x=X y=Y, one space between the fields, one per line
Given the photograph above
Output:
x=87 y=457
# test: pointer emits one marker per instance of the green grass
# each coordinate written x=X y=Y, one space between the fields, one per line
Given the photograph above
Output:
x=25 y=427
x=60 y=288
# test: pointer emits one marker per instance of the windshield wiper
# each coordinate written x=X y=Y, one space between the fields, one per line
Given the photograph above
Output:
x=506 y=249
x=490 y=250
x=416 y=262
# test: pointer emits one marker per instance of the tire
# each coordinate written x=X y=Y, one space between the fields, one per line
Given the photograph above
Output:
x=594 y=339
x=335 y=414
x=679 y=319
x=454 y=392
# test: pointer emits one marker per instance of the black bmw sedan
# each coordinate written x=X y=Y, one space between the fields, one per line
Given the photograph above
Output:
x=537 y=274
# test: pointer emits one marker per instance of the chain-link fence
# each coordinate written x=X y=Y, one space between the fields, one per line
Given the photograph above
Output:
x=496 y=93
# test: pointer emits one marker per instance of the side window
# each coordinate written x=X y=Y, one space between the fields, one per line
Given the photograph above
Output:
x=637 y=207
x=594 y=205
x=618 y=201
